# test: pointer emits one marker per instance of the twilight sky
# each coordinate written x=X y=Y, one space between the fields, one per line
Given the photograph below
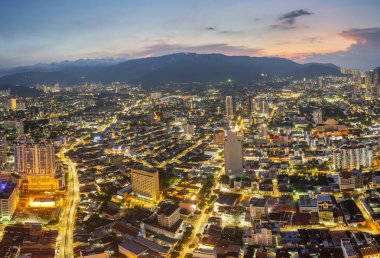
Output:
x=344 y=32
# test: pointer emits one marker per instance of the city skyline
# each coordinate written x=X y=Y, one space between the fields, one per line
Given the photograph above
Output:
x=312 y=31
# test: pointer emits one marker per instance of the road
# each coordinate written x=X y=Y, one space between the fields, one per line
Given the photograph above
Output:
x=68 y=210
x=370 y=222
x=67 y=225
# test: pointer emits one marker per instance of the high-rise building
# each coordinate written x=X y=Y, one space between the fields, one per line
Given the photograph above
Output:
x=317 y=116
x=145 y=183
x=35 y=163
x=352 y=156
x=263 y=107
x=156 y=95
x=9 y=196
x=320 y=81
x=12 y=104
x=3 y=149
x=252 y=105
x=229 y=107
x=370 y=85
x=377 y=83
x=233 y=154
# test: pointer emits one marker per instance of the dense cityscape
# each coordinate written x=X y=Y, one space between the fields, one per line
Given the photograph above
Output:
x=180 y=129
x=113 y=170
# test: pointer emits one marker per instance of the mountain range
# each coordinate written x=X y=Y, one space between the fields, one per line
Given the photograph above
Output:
x=173 y=68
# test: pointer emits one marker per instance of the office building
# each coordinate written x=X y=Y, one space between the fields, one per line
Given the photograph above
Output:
x=263 y=107
x=350 y=180
x=3 y=149
x=168 y=214
x=352 y=156
x=145 y=183
x=229 y=107
x=258 y=207
x=233 y=154
x=317 y=116
x=35 y=163
x=156 y=95
x=167 y=221
x=12 y=104
x=9 y=196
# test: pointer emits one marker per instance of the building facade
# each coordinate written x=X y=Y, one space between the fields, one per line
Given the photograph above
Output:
x=145 y=183
x=233 y=154
x=35 y=163
x=352 y=156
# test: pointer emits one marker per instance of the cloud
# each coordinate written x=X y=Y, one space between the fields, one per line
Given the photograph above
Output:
x=363 y=53
x=288 y=20
x=232 y=32
x=313 y=39
x=164 y=49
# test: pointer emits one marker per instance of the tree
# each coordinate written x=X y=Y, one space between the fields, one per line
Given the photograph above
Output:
x=239 y=210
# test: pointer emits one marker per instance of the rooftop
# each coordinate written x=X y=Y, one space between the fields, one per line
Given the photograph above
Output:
x=6 y=189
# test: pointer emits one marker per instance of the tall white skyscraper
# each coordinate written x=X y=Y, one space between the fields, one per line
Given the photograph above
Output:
x=233 y=154
x=229 y=107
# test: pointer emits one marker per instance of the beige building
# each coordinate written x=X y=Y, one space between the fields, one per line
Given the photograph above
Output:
x=229 y=107
x=168 y=215
x=13 y=104
x=145 y=183
x=233 y=154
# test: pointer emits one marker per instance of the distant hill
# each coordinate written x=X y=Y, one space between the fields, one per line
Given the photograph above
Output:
x=178 y=68
x=59 y=66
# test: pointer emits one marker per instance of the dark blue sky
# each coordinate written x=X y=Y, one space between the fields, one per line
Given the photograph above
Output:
x=346 y=33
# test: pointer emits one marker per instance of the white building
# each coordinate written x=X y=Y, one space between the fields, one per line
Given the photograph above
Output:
x=352 y=156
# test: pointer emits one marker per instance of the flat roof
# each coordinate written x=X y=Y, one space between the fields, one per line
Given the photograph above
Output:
x=258 y=202
x=6 y=189
x=133 y=247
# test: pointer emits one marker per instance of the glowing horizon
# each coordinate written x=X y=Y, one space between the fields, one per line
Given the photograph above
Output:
x=346 y=34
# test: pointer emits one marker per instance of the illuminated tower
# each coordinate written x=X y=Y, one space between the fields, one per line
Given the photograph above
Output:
x=13 y=104
x=229 y=107
x=35 y=163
